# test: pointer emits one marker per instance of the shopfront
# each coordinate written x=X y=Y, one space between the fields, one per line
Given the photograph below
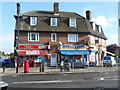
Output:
x=71 y=52
x=94 y=57
x=33 y=53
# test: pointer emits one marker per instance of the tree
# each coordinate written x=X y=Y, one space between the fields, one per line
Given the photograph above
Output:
x=113 y=48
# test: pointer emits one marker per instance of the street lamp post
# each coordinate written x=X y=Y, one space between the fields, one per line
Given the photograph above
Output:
x=17 y=38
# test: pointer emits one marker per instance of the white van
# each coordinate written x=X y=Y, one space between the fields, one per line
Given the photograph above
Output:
x=109 y=61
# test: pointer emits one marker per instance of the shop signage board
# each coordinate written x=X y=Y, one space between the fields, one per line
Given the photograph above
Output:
x=32 y=46
x=73 y=47
x=32 y=52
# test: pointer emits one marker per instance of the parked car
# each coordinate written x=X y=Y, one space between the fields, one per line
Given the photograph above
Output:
x=117 y=60
x=3 y=85
x=109 y=61
x=78 y=63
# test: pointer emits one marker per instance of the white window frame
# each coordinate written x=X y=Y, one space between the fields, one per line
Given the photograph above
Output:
x=92 y=39
x=52 y=37
x=100 y=28
x=53 y=21
x=93 y=26
x=36 y=37
x=72 y=23
x=69 y=38
x=33 y=21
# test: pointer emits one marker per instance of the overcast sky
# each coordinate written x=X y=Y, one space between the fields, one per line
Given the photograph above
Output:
x=103 y=13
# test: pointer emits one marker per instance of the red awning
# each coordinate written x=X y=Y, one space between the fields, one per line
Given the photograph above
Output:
x=32 y=52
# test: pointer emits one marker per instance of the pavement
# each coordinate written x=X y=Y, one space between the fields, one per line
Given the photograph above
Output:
x=56 y=70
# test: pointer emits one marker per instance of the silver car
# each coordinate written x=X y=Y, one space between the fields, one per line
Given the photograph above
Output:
x=78 y=63
x=3 y=85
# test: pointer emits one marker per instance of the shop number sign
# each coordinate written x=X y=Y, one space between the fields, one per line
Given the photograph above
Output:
x=32 y=52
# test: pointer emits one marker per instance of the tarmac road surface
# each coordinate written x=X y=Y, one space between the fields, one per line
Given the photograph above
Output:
x=78 y=80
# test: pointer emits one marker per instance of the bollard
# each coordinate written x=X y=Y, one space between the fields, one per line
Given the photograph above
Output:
x=26 y=66
x=41 y=67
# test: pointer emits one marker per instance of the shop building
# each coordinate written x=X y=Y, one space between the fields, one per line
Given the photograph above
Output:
x=54 y=34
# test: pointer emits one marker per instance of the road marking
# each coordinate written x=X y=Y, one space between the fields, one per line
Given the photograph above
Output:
x=56 y=81
x=107 y=78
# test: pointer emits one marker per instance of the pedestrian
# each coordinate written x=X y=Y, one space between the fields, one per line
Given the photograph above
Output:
x=3 y=65
x=61 y=65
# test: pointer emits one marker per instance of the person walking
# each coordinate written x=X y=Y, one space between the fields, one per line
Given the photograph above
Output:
x=3 y=65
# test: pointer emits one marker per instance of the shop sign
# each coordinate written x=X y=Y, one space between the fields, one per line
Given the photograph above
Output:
x=32 y=46
x=74 y=46
x=32 y=52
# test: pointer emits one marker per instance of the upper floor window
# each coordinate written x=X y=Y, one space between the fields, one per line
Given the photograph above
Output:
x=33 y=36
x=92 y=39
x=72 y=22
x=93 y=26
x=99 y=28
x=72 y=37
x=33 y=21
x=53 y=37
x=53 y=22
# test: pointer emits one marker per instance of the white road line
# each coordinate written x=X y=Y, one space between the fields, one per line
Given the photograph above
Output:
x=56 y=81
x=107 y=77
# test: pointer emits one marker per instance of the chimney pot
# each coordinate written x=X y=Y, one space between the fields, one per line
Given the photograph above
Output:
x=56 y=8
x=88 y=15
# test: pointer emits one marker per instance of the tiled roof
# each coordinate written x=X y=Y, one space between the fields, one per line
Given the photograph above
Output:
x=83 y=25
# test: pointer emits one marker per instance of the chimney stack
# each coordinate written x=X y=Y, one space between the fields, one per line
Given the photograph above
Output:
x=56 y=9
x=88 y=15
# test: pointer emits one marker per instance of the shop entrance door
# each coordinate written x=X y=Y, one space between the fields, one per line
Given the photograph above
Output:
x=53 y=60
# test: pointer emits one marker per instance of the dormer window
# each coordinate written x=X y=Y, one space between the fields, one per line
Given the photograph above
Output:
x=93 y=26
x=53 y=21
x=72 y=22
x=99 y=28
x=33 y=21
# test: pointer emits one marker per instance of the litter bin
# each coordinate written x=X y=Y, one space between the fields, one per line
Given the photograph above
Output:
x=26 y=66
x=41 y=66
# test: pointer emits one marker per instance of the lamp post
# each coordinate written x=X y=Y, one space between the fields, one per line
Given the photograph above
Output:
x=17 y=35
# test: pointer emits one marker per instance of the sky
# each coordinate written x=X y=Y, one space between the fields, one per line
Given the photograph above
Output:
x=103 y=13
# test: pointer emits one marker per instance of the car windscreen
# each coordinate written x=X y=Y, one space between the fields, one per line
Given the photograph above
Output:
x=107 y=58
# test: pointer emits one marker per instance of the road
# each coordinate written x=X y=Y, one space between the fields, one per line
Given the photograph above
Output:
x=81 y=80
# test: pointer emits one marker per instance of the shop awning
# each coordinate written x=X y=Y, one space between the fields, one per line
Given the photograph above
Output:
x=95 y=51
x=74 y=52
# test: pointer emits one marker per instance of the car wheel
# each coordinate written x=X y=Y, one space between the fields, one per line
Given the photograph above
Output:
x=103 y=65
x=85 y=66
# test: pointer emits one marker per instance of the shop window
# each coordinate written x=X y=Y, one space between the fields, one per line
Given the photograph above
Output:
x=53 y=37
x=53 y=21
x=72 y=37
x=33 y=36
x=33 y=21
x=72 y=22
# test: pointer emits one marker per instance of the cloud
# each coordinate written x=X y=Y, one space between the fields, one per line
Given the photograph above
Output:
x=111 y=42
x=114 y=36
x=111 y=19
x=101 y=20
x=7 y=42
x=7 y=37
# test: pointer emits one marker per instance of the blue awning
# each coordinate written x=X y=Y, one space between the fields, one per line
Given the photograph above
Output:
x=95 y=51
x=74 y=52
